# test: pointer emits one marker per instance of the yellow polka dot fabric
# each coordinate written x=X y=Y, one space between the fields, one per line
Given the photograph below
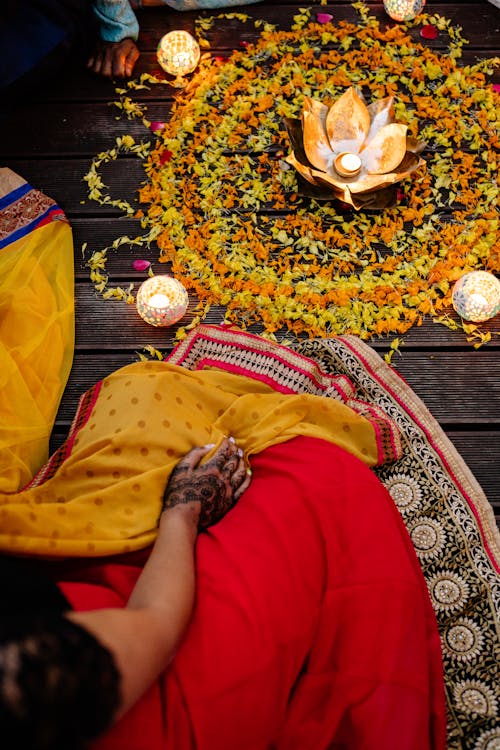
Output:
x=106 y=496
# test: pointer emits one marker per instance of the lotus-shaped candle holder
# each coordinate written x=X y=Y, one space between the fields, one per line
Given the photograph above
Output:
x=351 y=151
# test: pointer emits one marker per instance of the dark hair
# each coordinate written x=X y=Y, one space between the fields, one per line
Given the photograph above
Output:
x=59 y=688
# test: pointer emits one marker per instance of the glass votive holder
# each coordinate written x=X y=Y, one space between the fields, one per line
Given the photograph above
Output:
x=476 y=296
x=178 y=54
x=161 y=300
x=403 y=10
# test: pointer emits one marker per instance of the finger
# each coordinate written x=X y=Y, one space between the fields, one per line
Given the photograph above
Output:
x=193 y=458
x=238 y=475
x=244 y=485
x=232 y=460
x=224 y=452
x=108 y=63
x=119 y=63
x=96 y=63
x=130 y=60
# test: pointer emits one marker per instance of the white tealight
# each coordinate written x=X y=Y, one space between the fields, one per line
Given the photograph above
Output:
x=159 y=300
x=347 y=164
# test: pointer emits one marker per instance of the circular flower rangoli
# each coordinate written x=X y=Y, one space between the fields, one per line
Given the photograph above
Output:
x=227 y=211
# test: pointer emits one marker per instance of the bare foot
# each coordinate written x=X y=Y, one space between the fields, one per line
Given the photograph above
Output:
x=214 y=486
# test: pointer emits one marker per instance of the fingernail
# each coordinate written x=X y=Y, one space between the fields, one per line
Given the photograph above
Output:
x=240 y=452
x=231 y=439
x=209 y=445
x=249 y=471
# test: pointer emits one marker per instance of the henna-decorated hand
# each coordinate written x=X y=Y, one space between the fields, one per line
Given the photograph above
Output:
x=215 y=485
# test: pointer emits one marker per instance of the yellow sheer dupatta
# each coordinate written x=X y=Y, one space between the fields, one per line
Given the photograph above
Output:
x=36 y=325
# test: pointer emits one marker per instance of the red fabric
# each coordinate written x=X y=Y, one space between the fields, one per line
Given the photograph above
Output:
x=312 y=627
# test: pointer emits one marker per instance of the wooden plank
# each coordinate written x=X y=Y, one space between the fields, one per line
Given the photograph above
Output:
x=480 y=23
x=82 y=129
x=481 y=453
x=458 y=387
x=77 y=129
x=62 y=179
x=79 y=85
x=106 y=324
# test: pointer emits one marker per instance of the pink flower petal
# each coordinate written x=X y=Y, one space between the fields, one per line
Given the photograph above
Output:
x=141 y=265
x=324 y=17
x=428 y=32
x=221 y=58
x=165 y=156
x=243 y=43
x=496 y=87
x=155 y=126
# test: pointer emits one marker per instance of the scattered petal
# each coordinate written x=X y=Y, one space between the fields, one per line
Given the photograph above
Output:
x=165 y=156
x=140 y=265
x=156 y=126
x=429 y=32
x=496 y=87
x=324 y=17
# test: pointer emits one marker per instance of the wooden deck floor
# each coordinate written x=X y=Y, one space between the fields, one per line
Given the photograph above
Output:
x=50 y=140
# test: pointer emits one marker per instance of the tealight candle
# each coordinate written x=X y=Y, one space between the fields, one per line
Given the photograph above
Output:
x=476 y=296
x=178 y=54
x=347 y=165
x=161 y=300
x=403 y=10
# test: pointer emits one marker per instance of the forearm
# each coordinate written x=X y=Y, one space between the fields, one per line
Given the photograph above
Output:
x=144 y=636
x=167 y=582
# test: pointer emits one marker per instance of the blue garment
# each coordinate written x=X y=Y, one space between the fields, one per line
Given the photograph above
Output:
x=116 y=20
x=204 y=4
